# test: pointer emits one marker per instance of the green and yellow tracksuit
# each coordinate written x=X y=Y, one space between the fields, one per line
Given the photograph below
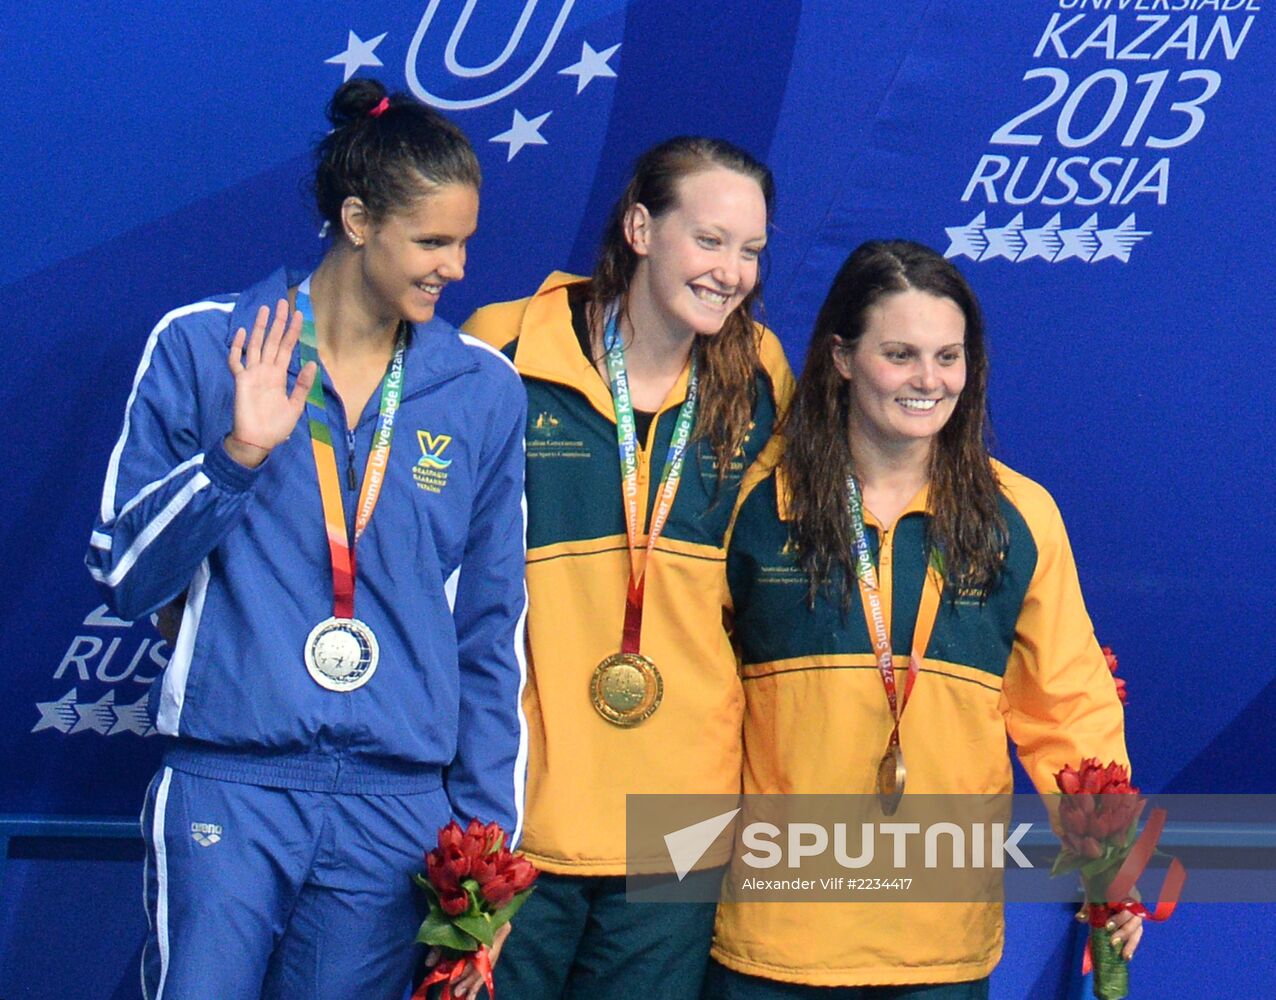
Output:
x=1022 y=664
x=581 y=767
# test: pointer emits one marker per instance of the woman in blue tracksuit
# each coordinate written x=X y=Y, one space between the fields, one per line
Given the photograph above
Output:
x=347 y=674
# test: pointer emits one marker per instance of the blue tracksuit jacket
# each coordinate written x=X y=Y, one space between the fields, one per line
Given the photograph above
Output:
x=439 y=571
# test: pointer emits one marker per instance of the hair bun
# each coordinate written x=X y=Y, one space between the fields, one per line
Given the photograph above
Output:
x=354 y=99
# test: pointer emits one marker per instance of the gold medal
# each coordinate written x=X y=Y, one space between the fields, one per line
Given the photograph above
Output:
x=890 y=778
x=626 y=688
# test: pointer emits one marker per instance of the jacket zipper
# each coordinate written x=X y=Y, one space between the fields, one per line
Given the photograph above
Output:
x=350 y=480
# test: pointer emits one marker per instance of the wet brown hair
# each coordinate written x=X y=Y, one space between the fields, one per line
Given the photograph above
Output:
x=965 y=524
x=728 y=360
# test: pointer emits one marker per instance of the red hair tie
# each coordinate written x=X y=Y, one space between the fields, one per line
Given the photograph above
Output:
x=380 y=109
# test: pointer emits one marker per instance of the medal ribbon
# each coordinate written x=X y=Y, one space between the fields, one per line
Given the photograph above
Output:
x=875 y=613
x=341 y=546
x=670 y=477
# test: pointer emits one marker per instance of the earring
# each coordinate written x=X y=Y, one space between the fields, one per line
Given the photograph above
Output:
x=358 y=243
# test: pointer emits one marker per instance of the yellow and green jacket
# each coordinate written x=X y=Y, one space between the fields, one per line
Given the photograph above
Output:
x=581 y=767
x=1023 y=663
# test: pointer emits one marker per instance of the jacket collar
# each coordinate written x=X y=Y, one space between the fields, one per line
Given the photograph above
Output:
x=548 y=349
x=435 y=350
x=770 y=460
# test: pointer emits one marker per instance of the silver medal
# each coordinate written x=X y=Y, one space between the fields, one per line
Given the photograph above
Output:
x=341 y=654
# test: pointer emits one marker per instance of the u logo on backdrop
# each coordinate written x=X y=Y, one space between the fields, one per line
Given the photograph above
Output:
x=527 y=46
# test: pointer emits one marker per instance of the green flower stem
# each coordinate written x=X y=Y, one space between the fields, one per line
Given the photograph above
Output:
x=1111 y=970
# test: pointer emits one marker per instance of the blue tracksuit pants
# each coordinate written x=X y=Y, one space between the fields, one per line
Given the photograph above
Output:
x=271 y=892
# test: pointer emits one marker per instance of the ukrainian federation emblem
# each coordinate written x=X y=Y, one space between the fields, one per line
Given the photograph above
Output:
x=430 y=471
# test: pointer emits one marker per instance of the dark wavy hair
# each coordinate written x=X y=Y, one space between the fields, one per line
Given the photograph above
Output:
x=728 y=360
x=389 y=159
x=965 y=523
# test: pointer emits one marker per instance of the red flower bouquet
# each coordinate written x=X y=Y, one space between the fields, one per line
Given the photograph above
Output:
x=475 y=885
x=1098 y=817
x=1098 y=821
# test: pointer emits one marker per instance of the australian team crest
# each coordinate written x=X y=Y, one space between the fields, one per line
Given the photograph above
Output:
x=430 y=471
x=544 y=426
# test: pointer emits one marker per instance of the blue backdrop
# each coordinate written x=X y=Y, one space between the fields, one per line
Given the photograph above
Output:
x=1099 y=169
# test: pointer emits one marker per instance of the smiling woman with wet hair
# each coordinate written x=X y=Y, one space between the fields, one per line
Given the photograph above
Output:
x=903 y=604
x=633 y=685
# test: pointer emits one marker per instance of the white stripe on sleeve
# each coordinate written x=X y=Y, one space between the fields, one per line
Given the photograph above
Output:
x=113 y=466
x=148 y=534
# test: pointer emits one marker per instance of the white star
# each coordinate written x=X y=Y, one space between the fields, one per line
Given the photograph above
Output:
x=132 y=718
x=358 y=54
x=967 y=240
x=1119 y=241
x=59 y=715
x=592 y=64
x=1080 y=242
x=1005 y=241
x=523 y=133
x=1043 y=242
x=99 y=717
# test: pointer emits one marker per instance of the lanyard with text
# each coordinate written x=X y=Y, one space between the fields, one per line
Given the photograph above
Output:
x=627 y=687
x=670 y=477
x=891 y=773
x=340 y=545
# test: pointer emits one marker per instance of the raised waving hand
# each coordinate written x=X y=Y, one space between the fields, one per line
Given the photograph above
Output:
x=265 y=411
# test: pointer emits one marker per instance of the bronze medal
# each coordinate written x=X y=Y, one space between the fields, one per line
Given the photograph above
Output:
x=890 y=778
x=626 y=688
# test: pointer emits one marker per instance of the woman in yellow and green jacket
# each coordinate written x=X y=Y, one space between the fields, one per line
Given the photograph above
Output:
x=876 y=529
x=633 y=686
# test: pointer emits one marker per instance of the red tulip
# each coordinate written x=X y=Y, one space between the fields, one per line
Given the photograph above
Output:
x=454 y=903
x=1122 y=694
x=458 y=863
x=1073 y=820
x=1111 y=659
x=493 y=838
x=440 y=875
x=512 y=878
x=473 y=840
x=1099 y=806
x=451 y=835
x=484 y=868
